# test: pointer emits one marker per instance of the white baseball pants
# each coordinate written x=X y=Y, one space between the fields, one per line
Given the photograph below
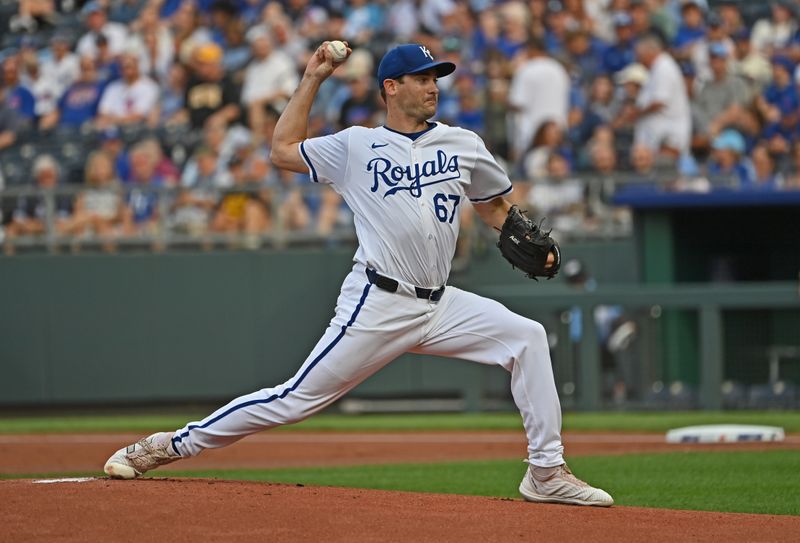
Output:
x=371 y=328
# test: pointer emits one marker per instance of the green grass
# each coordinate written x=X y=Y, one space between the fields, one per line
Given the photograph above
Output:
x=735 y=481
x=627 y=422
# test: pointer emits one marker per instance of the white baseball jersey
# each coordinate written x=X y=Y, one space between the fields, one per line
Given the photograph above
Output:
x=406 y=195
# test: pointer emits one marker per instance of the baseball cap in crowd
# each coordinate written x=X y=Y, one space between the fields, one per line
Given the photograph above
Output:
x=208 y=52
x=729 y=140
x=717 y=49
x=743 y=34
x=784 y=62
x=410 y=58
x=91 y=7
x=632 y=73
x=622 y=18
x=110 y=133
x=685 y=4
x=61 y=36
x=713 y=19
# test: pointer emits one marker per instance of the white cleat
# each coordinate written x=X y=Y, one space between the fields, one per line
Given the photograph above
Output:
x=559 y=485
x=132 y=461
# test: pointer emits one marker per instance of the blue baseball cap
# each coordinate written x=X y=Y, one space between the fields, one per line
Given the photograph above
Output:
x=410 y=58
x=731 y=140
x=717 y=49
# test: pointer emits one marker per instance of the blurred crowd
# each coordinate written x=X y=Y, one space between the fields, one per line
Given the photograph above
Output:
x=157 y=115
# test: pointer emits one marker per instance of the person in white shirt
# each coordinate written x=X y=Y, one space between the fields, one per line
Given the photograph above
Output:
x=131 y=99
x=63 y=67
x=663 y=115
x=97 y=22
x=270 y=78
x=539 y=92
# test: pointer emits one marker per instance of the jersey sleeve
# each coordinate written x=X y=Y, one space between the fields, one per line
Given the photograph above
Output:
x=326 y=157
x=488 y=180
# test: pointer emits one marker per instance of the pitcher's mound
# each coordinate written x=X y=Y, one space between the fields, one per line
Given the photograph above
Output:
x=179 y=510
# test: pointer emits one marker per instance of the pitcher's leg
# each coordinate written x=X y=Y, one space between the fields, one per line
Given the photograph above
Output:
x=338 y=363
x=482 y=330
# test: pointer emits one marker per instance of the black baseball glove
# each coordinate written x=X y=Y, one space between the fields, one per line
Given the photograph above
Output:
x=524 y=244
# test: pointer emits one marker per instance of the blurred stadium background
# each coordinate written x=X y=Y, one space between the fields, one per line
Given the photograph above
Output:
x=151 y=253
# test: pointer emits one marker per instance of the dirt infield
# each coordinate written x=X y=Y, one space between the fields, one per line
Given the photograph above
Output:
x=205 y=510
x=52 y=453
x=200 y=510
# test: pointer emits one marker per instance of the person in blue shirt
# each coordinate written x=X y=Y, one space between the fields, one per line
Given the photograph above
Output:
x=621 y=53
x=692 y=28
x=778 y=105
x=584 y=55
x=18 y=98
x=78 y=105
x=729 y=165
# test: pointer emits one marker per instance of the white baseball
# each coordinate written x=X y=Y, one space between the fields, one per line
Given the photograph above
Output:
x=338 y=50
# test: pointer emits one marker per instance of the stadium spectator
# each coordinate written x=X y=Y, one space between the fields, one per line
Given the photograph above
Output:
x=361 y=107
x=30 y=214
x=244 y=208
x=471 y=106
x=131 y=100
x=363 y=20
x=778 y=105
x=9 y=122
x=293 y=211
x=62 y=66
x=199 y=193
x=556 y=28
x=173 y=97
x=96 y=20
x=601 y=109
x=111 y=143
x=663 y=117
x=401 y=16
x=558 y=196
x=539 y=92
x=99 y=208
x=548 y=140
x=770 y=36
x=728 y=160
x=719 y=102
x=643 y=164
x=142 y=211
x=148 y=165
x=652 y=18
x=632 y=79
x=583 y=57
x=270 y=78
x=187 y=32
x=210 y=94
x=691 y=32
x=223 y=21
x=33 y=15
x=749 y=65
x=152 y=39
x=765 y=176
x=621 y=53
x=731 y=17
x=17 y=96
x=45 y=90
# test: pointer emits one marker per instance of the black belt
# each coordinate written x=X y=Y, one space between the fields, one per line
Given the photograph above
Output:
x=386 y=283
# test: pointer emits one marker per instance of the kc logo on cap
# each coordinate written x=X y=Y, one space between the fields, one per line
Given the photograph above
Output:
x=410 y=58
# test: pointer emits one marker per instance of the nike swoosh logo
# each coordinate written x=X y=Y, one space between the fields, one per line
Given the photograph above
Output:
x=376 y=145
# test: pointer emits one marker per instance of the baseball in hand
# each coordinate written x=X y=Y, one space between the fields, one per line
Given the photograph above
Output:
x=338 y=50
